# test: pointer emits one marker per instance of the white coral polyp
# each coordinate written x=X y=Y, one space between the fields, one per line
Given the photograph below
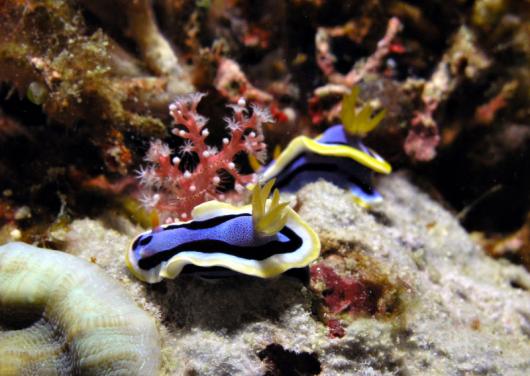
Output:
x=262 y=114
x=157 y=150
x=186 y=102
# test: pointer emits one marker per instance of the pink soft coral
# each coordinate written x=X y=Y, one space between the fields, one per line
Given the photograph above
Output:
x=173 y=190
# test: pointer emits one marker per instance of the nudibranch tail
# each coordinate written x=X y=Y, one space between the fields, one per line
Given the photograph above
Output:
x=155 y=219
x=263 y=239
x=256 y=165
x=358 y=122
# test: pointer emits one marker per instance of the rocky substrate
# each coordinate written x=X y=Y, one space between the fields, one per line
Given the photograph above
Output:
x=400 y=289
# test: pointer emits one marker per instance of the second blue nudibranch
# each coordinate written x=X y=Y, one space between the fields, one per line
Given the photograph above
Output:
x=338 y=156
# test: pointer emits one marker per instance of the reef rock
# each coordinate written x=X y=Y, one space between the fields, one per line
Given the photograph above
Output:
x=418 y=297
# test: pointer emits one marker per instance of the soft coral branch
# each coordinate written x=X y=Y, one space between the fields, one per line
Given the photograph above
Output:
x=173 y=190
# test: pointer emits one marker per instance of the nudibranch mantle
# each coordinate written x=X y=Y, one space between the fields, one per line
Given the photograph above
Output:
x=226 y=236
x=336 y=156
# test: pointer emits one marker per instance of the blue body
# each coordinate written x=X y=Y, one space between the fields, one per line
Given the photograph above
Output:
x=231 y=234
x=344 y=172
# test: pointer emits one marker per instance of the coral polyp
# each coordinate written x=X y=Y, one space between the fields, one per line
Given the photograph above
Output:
x=60 y=315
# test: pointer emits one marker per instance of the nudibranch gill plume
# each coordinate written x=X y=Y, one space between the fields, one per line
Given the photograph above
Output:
x=338 y=155
x=263 y=239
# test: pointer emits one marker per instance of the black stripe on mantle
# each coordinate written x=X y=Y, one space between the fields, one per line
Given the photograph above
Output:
x=259 y=253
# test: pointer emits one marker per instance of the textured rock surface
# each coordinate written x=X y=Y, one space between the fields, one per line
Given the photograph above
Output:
x=461 y=312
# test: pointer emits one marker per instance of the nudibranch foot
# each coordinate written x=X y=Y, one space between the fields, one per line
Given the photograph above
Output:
x=263 y=239
x=216 y=273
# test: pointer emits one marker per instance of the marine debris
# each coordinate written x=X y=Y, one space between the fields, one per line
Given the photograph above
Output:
x=62 y=315
x=174 y=185
x=263 y=239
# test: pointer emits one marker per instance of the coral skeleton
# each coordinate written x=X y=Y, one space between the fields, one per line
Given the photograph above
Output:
x=340 y=84
x=232 y=83
x=174 y=188
x=424 y=135
x=325 y=58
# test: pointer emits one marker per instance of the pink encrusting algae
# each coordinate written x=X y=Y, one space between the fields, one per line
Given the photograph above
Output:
x=174 y=190
x=351 y=295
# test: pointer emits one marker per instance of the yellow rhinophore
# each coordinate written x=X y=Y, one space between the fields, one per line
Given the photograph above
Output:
x=358 y=122
x=268 y=221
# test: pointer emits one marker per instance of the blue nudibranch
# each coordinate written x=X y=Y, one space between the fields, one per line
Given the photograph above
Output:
x=338 y=155
x=263 y=239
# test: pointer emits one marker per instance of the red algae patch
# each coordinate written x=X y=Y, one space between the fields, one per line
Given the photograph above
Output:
x=346 y=292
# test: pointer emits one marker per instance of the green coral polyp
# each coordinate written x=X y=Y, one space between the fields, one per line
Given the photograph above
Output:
x=37 y=93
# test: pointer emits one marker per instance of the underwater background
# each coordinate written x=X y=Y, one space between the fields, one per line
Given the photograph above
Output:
x=296 y=187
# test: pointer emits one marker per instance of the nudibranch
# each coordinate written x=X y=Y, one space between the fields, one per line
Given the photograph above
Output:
x=338 y=155
x=263 y=239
